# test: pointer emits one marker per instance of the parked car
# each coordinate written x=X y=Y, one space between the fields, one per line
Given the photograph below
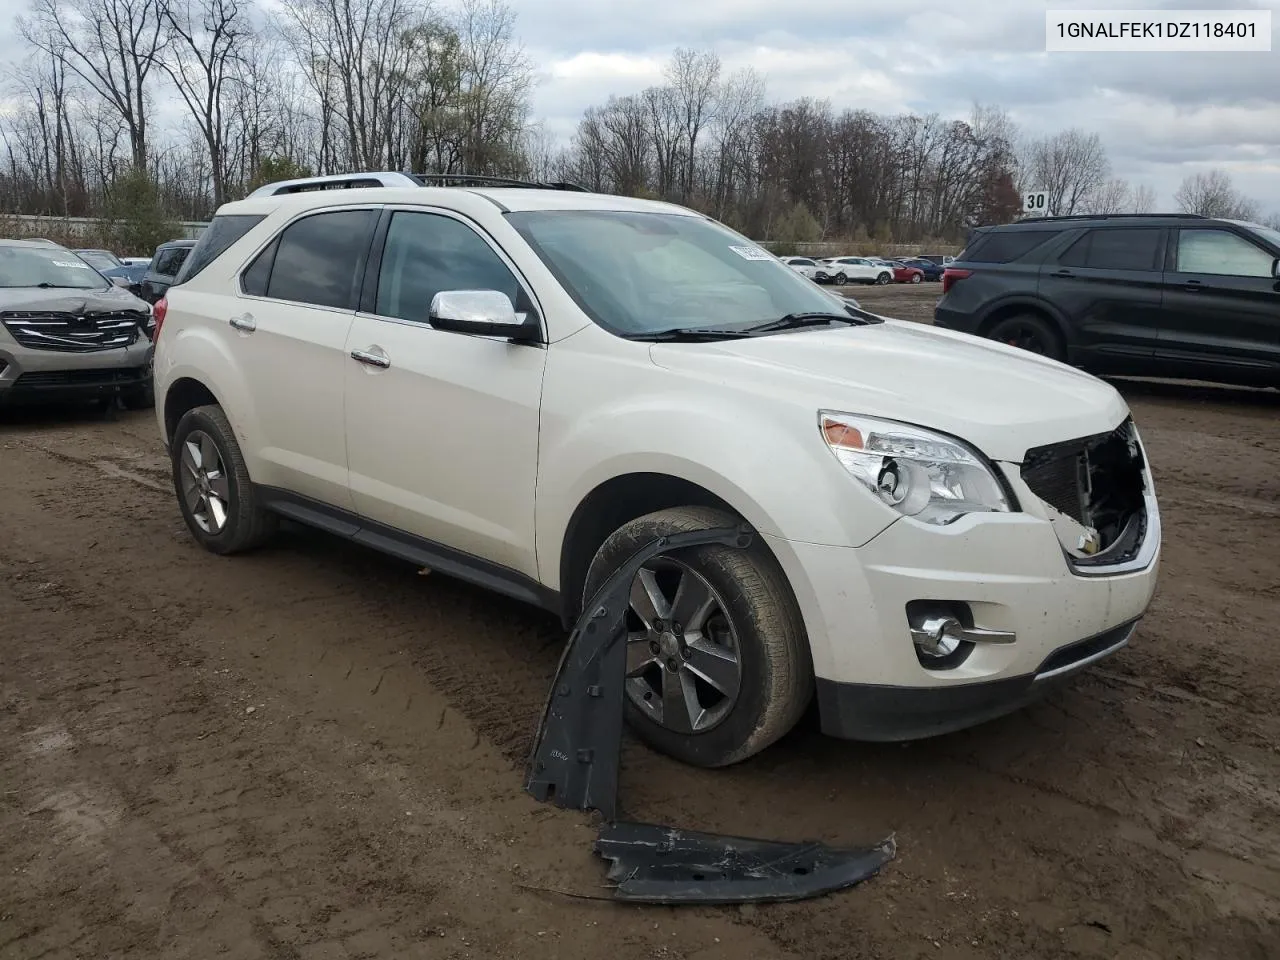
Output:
x=522 y=387
x=931 y=270
x=131 y=274
x=164 y=267
x=67 y=333
x=905 y=273
x=1162 y=295
x=815 y=270
x=941 y=259
x=858 y=270
x=100 y=260
x=136 y=261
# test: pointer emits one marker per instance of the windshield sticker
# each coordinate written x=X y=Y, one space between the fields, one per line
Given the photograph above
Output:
x=752 y=253
x=68 y=263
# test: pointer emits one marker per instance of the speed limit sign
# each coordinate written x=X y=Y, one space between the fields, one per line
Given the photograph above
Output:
x=1036 y=203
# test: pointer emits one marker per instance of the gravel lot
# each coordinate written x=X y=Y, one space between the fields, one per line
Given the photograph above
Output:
x=313 y=752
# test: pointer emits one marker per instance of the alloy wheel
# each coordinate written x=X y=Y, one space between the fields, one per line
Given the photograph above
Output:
x=205 y=487
x=683 y=666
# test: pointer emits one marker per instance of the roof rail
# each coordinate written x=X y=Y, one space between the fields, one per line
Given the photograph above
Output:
x=478 y=180
x=391 y=178
x=1112 y=216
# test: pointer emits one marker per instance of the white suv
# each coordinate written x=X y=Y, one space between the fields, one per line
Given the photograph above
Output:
x=520 y=387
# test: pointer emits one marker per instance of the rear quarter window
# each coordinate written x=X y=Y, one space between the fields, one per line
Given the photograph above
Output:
x=221 y=233
x=1004 y=246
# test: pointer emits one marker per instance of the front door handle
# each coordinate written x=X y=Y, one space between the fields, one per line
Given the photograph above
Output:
x=372 y=359
x=244 y=323
x=1193 y=286
x=1063 y=275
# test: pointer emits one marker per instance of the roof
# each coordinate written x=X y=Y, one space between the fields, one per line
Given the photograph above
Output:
x=507 y=199
x=1096 y=219
x=37 y=244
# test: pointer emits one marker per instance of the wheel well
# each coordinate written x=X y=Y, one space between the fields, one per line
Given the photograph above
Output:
x=608 y=507
x=1015 y=309
x=183 y=395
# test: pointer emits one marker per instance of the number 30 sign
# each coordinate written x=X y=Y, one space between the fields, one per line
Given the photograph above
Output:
x=1036 y=203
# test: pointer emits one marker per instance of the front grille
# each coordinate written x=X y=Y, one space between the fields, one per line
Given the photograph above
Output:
x=75 y=332
x=81 y=378
x=1099 y=483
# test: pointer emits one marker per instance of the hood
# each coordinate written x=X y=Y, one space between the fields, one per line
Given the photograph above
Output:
x=998 y=398
x=70 y=301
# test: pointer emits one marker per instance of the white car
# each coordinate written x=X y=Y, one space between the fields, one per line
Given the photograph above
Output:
x=521 y=387
x=858 y=270
x=815 y=270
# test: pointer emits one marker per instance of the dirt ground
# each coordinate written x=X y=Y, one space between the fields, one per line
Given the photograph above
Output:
x=313 y=752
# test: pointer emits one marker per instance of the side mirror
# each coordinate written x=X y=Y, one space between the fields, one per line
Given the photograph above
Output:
x=482 y=313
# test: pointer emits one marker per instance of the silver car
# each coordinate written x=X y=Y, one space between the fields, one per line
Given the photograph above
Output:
x=67 y=333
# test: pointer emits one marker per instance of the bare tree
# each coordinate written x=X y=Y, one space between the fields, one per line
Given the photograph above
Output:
x=204 y=62
x=113 y=46
x=496 y=79
x=1143 y=200
x=1212 y=194
x=1071 y=166
x=1113 y=196
x=694 y=80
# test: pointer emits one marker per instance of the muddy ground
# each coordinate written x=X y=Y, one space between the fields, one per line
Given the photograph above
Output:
x=314 y=752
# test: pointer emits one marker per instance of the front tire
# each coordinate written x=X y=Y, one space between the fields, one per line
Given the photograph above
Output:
x=718 y=663
x=915 y=278
x=218 y=501
x=841 y=279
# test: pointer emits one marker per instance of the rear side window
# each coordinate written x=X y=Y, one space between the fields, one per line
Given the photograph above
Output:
x=1127 y=249
x=318 y=258
x=1005 y=246
x=221 y=233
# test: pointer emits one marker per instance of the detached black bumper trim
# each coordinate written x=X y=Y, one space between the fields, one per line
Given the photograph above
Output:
x=881 y=713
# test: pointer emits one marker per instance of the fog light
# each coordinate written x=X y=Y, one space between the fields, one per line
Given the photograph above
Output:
x=938 y=636
x=944 y=635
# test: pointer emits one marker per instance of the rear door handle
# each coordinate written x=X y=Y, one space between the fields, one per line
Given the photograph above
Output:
x=244 y=323
x=372 y=359
x=1192 y=285
x=1063 y=275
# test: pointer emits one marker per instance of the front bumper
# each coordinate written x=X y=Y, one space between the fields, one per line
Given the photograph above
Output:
x=46 y=376
x=1008 y=569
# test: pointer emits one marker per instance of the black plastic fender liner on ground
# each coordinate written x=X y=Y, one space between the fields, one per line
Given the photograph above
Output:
x=574 y=764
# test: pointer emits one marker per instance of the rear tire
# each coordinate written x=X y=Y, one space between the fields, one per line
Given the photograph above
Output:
x=1029 y=332
x=218 y=501
x=841 y=279
x=753 y=617
x=883 y=279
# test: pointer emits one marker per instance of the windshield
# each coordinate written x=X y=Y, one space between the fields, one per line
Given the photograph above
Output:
x=639 y=273
x=46 y=267
x=98 y=259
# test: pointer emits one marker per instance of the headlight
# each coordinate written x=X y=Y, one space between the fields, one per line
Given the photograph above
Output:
x=919 y=473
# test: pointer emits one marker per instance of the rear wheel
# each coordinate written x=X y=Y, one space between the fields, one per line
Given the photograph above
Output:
x=222 y=508
x=841 y=279
x=717 y=658
x=1029 y=332
x=883 y=278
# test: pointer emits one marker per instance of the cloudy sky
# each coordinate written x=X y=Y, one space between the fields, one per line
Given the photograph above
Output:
x=1161 y=115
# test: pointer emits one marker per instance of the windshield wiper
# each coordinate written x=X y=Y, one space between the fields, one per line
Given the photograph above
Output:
x=689 y=335
x=809 y=318
x=45 y=285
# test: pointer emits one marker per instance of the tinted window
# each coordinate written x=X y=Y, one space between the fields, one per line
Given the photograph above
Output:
x=1127 y=249
x=1005 y=246
x=254 y=280
x=426 y=253
x=320 y=257
x=1222 y=253
x=169 y=260
x=1077 y=255
x=221 y=233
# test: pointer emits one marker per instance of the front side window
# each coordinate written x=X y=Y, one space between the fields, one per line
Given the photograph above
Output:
x=319 y=258
x=47 y=267
x=1221 y=253
x=639 y=273
x=426 y=253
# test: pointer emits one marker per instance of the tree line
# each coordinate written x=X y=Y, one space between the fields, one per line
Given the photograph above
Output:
x=323 y=86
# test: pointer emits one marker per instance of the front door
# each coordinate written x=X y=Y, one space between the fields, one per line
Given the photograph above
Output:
x=1221 y=308
x=442 y=428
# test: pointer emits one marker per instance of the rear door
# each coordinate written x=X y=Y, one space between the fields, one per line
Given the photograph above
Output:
x=288 y=334
x=1107 y=283
x=1221 y=307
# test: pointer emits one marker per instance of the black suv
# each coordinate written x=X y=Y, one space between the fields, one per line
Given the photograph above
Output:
x=1157 y=295
x=165 y=264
